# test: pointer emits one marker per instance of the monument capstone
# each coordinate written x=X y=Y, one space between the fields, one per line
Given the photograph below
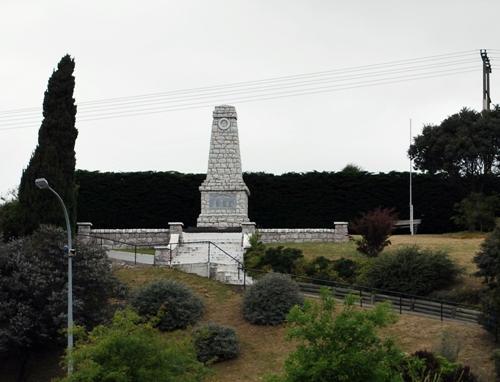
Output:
x=224 y=194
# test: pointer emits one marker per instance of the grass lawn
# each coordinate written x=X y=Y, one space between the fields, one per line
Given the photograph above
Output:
x=264 y=349
x=461 y=247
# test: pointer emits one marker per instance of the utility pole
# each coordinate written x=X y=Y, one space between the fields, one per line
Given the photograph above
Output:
x=411 y=190
x=486 y=80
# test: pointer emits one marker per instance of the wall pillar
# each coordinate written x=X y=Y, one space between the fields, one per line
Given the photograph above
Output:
x=341 y=228
x=175 y=228
x=83 y=228
x=248 y=228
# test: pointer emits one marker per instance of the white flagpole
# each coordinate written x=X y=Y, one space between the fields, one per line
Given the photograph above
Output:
x=411 y=191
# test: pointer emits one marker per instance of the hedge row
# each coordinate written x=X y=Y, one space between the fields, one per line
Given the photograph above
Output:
x=292 y=200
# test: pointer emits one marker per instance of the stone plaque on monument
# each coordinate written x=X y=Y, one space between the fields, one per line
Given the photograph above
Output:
x=224 y=195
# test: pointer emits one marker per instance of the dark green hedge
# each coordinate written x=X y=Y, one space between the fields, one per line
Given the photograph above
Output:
x=292 y=200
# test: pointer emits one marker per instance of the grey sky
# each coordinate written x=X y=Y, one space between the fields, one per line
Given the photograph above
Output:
x=125 y=48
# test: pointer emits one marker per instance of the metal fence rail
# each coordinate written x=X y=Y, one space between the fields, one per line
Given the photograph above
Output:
x=401 y=302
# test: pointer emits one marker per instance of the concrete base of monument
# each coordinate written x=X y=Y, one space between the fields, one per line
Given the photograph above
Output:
x=221 y=220
x=218 y=255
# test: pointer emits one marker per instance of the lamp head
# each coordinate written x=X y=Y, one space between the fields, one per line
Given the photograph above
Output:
x=42 y=183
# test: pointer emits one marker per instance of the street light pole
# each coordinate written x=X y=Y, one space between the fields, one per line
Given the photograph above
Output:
x=43 y=184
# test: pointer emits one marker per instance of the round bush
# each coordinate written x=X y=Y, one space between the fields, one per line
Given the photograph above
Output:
x=269 y=300
x=412 y=270
x=215 y=343
x=173 y=304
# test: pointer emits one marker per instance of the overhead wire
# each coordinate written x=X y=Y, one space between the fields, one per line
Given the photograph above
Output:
x=242 y=100
x=250 y=91
x=247 y=83
x=130 y=104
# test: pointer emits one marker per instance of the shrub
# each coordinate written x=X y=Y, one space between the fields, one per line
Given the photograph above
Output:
x=340 y=346
x=374 y=227
x=412 y=270
x=172 y=305
x=127 y=350
x=426 y=366
x=33 y=289
x=496 y=358
x=462 y=295
x=321 y=268
x=460 y=374
x=255 y=252
x=347 y=269
x=277 y=259
x=269 y=300
x=215 y=343
x=281 y=259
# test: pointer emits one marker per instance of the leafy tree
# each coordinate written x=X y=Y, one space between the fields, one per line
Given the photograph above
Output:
x=340 y=347
x=464 y=144
x=488 y=262
x=128 y=351
x=375 y=227
x=352 y=169
x=477 y=211
x=54 y=156
x=488 y=259
x=33 y=289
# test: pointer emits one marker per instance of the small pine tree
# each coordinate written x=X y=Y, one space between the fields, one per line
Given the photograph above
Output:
x=54 y=156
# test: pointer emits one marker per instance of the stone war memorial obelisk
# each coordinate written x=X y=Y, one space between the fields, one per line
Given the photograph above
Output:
x=224 y=194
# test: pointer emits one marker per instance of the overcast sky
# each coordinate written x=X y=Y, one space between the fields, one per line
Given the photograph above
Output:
x=126 y=48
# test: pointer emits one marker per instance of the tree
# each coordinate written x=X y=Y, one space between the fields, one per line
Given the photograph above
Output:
x=33 y=289
x=488 y=262
x=340 y=347
x=54 y=156
x=464 y=144
x=477 y=211
x=128 y=351
x=352 y=169
x=374 y=227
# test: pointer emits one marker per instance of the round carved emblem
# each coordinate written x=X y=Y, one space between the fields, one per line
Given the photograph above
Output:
x=224 y=124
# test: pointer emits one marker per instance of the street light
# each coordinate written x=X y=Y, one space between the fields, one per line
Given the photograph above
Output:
x=43 y=184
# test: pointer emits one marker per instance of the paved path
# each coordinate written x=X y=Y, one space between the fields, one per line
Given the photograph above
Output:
x=130 y=257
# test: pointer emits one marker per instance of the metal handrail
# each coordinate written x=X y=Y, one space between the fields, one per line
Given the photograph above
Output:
x=317 y=281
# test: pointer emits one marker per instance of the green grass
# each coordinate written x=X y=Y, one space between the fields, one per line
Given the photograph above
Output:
x=264 y=348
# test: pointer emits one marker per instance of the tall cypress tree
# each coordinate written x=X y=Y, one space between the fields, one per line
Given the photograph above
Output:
x=54 y=156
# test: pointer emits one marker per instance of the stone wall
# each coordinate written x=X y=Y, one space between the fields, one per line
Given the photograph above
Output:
x=302 y=235
x=144 y=236
x=122 y=237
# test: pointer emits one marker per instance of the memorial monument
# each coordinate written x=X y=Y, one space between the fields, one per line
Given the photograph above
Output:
x=224 y=194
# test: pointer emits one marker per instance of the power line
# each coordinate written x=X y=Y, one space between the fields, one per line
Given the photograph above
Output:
x=10 y=119
x=145 y=107
x=346 y=79
x=256 y=98
x=275 y=79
